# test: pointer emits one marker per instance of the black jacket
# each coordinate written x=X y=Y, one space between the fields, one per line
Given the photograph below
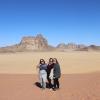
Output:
x=49 y=67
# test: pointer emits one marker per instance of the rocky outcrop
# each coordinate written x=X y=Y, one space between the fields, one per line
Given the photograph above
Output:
x=70 y=46
x=29 y=43
x=39 y=43
x=93 y=48
x=61 y=46
x=89 y=48
x=34 y=43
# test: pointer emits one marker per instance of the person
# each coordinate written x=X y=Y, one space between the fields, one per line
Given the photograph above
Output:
x=56 y=74
x=49 y=68
x=42 y=73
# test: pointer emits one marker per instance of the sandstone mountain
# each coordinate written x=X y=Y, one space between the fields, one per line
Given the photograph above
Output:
x=89 y=48
x=29 y=43
x=39 y=43
x=34 y=43
x=70 y=46
x=77 y=47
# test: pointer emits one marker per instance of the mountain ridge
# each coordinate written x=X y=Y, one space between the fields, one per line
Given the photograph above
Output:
x=39 y=43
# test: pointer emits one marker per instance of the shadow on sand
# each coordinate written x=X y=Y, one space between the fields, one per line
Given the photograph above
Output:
x=39 y=85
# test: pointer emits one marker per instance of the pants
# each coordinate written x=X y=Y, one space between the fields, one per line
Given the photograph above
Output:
x=49 y=80
x=56 y=83
x=43 y=78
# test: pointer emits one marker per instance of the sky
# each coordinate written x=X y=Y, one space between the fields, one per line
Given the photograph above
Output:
x=59 y=21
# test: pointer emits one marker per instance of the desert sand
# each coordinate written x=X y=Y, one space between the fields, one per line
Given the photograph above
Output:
x=73 y=87
x=71 y=62
x=80 y=78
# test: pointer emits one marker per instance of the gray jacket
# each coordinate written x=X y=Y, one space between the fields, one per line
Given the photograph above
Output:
x=57 y=71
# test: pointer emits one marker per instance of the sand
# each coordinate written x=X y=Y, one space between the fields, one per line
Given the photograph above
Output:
x=73 y=87
x=71 y=62
x=80 y=78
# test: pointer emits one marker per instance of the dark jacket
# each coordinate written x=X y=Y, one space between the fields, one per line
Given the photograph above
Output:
x=49 y=67
x=57 y=71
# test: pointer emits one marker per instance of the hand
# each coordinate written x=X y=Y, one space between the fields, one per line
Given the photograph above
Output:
x=51 y=77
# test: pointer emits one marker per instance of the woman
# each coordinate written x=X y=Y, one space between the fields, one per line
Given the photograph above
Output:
x=42 y=73
x=49 y=68
x=56 y=74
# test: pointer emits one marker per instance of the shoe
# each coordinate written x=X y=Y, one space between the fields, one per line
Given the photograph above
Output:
x=54 y=89
x=43 y=88
x=57 y=88
x=50 y=88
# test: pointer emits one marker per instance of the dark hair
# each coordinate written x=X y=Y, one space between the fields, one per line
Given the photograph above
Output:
x=51 y=60
x=56 y=60
x=42 y=60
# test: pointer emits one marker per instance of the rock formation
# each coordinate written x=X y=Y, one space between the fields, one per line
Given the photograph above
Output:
x=29 y=43
x=34 y=43
x=70 y=46
x=39 y=43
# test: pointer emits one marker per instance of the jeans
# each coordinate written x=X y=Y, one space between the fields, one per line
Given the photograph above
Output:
x=43 y=78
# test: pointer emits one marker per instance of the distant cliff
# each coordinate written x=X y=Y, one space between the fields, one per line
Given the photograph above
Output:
x=29 y=43
x=34 y=43
x=39 y=43
x=70 y=46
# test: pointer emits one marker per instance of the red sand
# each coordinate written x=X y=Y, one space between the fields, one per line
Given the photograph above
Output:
x=73 y=87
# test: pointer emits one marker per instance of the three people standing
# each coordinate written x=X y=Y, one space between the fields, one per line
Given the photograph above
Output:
x=50 y=72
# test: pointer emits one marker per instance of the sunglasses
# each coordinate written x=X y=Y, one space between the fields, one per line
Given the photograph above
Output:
x=50 y=61
x=42 y=61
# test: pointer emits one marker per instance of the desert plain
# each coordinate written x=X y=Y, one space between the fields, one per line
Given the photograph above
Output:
x=80 y=78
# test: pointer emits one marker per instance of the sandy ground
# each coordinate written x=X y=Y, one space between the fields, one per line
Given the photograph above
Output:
x=80 y=79
x=73 y=87
x=71 y=62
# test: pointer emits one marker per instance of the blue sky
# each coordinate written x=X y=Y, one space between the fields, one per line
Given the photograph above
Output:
x=58 y=20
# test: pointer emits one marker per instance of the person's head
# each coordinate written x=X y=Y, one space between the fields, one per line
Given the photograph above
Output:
x=55 y=61
x=42 y=61
x=51 y=61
